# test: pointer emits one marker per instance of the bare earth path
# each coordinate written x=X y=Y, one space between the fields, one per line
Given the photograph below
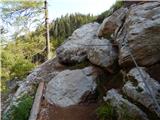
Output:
x=75 y=112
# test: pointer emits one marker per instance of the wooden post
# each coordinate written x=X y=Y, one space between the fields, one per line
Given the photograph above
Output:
x=47 y=30
x=36 y=104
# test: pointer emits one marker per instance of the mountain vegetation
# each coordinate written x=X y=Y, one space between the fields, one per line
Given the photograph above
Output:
x=99 y=70
x=63 y=27
x=107 y=13
x=19 y=55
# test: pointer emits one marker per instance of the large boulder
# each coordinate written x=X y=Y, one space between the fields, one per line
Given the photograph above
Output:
x=136 y=89
x=69 y=86
x=45 y=72
x=111 y=23
x=141 y=30
x=74 y=49
x=128 y=3
x=84 y=44
x=124 y=108
x=103 y=54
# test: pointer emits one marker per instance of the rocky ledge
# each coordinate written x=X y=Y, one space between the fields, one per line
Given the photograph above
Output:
x=138 y=26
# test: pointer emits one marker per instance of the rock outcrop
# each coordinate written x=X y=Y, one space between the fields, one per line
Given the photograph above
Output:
x=139 y=26
x=141 y=29
x=74 y=49
x=84 y=44
x=46 y=71
x=111 y=23
x=136 y=90
x=124 y=108
x=69 y=86
x=103 y=54
x=128 y=3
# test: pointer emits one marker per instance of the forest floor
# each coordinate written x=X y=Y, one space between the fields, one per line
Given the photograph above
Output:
x=74 y=112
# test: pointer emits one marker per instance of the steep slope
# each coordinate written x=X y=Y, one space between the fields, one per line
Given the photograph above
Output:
x=94 y=67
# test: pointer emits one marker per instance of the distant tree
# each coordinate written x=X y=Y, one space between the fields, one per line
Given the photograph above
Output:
x=118 y=4
x=63 y=27
x=21 y=14
x=20 y=56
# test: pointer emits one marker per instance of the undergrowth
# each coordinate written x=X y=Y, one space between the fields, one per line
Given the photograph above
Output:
x=21 y=110
x=106 y=112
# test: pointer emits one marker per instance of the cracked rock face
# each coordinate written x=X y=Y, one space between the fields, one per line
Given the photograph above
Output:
x=136 y=89
x=111 y=23
x=46 y=71
x=68 y=87
x=84 y=44
x=102 y=55
x=74 y=49
x=123 y=107
x=141 y=29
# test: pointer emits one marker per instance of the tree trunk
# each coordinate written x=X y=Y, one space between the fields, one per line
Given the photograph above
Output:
x=47 y=31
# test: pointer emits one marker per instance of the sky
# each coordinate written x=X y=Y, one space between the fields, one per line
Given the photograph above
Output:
x=61 y=7
x=57 y=8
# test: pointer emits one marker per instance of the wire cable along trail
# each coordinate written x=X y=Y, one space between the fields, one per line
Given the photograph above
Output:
x=125 y=44
x=149 y=88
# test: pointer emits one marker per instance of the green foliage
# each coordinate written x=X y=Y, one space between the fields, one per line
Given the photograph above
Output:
x=107 y=13
x=63 y=27
x=14 y=65
x=21 y=68
x=103 y=15
x=11 y=8
x=21 y=14
x=18 y=54
x=117 y=5
x=20 y=111
x=106 y=112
